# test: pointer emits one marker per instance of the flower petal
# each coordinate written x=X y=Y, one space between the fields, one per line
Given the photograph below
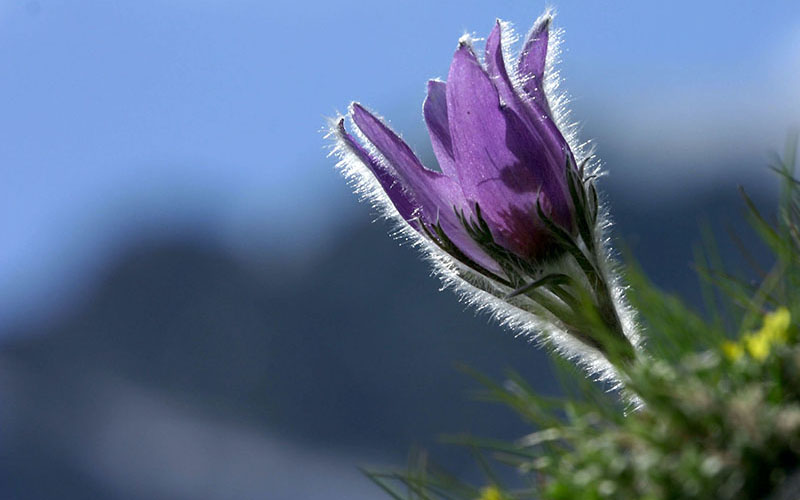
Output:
x=500 y=163
x=433 y=191
x=545 y=138
x=394 y=190
x=533 y=59
x=435 y=112
x=438 y=196
x=496 y=67
x=539 y=121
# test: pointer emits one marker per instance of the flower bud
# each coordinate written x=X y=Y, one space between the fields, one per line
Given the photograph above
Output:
x=510 y=212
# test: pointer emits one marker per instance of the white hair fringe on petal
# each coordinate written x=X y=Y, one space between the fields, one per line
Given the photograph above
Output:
x=558 y=99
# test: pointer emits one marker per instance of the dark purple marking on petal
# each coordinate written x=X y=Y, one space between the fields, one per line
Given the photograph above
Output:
x=546 y=137
x=532 y=62
x=501 y=165
x=394 y=190
x=540 y=122
x=435 y=112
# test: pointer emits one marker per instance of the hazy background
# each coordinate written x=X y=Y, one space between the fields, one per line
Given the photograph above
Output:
x=192 y=303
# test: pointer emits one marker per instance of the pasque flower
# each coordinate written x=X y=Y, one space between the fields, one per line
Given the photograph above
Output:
x=511 y=216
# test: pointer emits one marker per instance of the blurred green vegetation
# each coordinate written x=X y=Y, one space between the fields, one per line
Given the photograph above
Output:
x=711 y=410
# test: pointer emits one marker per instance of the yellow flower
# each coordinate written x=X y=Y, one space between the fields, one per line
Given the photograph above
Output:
x=774 y=331
x=490 y=493
x=776 y=325
x=758 y=345
x=732 y=350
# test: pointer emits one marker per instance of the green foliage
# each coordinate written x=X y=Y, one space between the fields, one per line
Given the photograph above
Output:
x=711 y=411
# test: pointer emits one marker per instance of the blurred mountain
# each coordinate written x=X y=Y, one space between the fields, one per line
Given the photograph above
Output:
x=353 y=351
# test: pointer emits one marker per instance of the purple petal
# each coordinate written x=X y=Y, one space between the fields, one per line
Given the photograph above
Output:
x=433 y=191
x=499 y=161
x=546 y=138
x=435 y=112
x=437 y=195
x=532 y=62
x=496 y=67
x=388 y=182
x=539 y=122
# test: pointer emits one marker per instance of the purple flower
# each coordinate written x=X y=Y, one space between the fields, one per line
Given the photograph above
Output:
x=508 y=203
x=503 y=188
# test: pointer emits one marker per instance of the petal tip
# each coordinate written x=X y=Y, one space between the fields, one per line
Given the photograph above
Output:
x=496 y=29
x=544 y=21
x=435 y=83
x=465 y=49
x=358 y=113
x=465 y=41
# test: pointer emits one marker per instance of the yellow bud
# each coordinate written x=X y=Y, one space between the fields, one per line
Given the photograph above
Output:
x=490 y=493
x=776 y=325
x=732 y=350
x=774 y=331
x=758 y=346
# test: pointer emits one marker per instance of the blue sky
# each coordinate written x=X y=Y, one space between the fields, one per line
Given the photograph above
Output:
x=125 y=118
